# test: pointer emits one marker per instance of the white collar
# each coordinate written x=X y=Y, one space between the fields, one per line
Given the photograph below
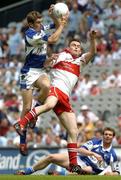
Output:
x=104 y=149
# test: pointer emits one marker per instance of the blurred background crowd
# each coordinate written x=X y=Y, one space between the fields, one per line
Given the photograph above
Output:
x=96 y=98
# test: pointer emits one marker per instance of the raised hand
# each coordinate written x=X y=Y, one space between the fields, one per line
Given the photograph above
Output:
x=64 y=19
x=92 y=34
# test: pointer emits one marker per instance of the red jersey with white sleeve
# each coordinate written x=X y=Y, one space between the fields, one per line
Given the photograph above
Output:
x=66 y=70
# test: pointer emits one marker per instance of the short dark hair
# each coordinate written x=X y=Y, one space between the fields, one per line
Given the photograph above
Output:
x=33 y=16
x=109 y=129
x=74 y=39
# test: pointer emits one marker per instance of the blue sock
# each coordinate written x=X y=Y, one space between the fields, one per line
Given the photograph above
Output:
x=29 y=170
x=23 y=138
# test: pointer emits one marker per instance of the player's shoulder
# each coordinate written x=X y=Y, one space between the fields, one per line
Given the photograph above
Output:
x=30 y=32
x=96 y=141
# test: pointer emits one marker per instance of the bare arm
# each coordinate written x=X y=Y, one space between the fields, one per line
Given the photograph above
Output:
x=56 y=35
x=86 y=152
x=89 y=55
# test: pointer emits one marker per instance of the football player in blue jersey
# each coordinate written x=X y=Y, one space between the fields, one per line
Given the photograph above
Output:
x=33 y=73
x=96 y=156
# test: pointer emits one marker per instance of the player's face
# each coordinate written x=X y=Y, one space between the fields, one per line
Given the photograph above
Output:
x=37 y=24
x=108 y=137
x=75 y=48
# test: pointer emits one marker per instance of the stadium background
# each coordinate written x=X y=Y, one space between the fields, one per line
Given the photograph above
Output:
x=99 y=87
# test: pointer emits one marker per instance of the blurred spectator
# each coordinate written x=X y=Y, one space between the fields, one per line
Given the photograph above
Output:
x=63 y=133
x=55 y=125
x=103 y=80
x=111 y=42
x=86 y=113
x=11 y=102
x=114 y=80
x=119 y=130
x=74 y=20
x=112 y=15
x=48 y=138
x=84 y=86
x=4 y=126
x=85 y=23
x=3 y=141
x=60 y=142
x=98 y=133
x=14 y=40
x=11 y=134
x=4 y=50
x=38 y=140
x=95 y=89
x=82 y=4
x=93 y=7
x=99 y=125
x=98 y=24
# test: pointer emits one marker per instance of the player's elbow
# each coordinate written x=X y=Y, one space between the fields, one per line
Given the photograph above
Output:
x=52 y=40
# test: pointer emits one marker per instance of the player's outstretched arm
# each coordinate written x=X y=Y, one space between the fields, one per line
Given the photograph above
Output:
x=90 y=54
x=87 y=152
x=56 y=35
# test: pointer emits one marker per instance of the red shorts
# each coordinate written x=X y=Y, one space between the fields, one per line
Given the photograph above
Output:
x=63 y=104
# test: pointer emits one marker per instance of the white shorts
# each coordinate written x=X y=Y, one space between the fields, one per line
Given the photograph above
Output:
x=80 y=162
x=27 y=79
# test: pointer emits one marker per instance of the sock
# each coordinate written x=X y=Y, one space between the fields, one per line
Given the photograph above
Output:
x=72 y=152
x=29 y=170
x=23 y=138
x=30 y=116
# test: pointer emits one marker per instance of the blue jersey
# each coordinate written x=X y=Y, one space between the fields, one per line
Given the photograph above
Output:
x=36 y=47
x=95 y=145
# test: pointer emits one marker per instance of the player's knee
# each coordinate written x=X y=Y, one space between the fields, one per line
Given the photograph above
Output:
x=46 y=86
x=26 y=109
x=50 y=158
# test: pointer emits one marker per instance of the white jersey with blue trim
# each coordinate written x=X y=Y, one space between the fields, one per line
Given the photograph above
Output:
x=36 y=47
x=95 y=145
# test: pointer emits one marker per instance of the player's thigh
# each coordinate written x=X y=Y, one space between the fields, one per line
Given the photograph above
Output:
x=60 y=159
x=42 y=82
x=68 y=119
x=27 y=97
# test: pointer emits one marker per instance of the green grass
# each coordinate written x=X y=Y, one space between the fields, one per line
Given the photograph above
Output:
x=43 y=177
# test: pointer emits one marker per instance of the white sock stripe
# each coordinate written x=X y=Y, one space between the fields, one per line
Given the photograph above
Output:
x=27 y=118
x=33 y=113
x=72 y=149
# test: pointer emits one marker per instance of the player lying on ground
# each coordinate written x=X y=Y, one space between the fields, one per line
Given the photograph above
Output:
x=95 y=156
x=64 y=75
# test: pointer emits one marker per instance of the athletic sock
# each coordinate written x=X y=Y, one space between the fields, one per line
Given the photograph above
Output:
x=29 y=170
x=72 y=152
x=23 y=138
x=30 y=116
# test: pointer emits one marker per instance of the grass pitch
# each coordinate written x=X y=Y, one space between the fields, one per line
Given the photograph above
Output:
x=43 y=177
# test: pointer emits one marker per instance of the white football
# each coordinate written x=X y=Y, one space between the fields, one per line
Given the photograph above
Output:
x=60 y=9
